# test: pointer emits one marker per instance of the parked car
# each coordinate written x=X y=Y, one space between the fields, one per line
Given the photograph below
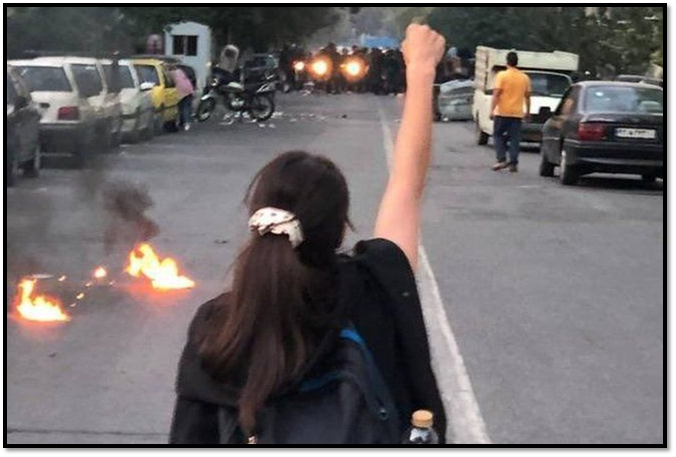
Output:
x=78 y=116
x=608 y=127
x=22 y=124
x=640 y=79
x=455 y=100
x=260 y=67
x=138 y=110
x=163 y=93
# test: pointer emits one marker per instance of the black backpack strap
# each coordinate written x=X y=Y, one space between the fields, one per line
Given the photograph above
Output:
x=227 y=426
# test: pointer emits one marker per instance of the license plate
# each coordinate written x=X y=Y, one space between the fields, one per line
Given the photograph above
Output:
x=642 y=134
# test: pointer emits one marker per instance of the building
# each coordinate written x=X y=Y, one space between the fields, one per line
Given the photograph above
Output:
x=192 y=43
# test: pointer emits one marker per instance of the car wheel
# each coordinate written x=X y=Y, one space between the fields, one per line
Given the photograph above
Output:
x=546 y=167
x=174 y=125
x=158 y=124
x=11 y=169
x=116 y=138
x=104 y=138
x=32 y=167
x=149 y=132
x=481 y=136
x=648 y=179
x=569 y=174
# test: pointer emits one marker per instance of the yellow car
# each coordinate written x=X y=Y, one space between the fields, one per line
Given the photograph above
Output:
x=155 y=77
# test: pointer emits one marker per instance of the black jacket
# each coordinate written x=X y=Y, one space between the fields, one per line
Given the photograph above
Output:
x=379 y=295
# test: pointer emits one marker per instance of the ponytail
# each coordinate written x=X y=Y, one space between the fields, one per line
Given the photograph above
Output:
x=259 y=334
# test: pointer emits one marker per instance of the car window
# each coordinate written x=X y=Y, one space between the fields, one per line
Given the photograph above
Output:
x=11 y=91
x=45 y=79
x=618 y=99
x=566 y=96
x=549 y=85
x=169 y=80
x=87 y=78
x=148 y=74
x=569 y=103
x=126 y=79
x=113 y=78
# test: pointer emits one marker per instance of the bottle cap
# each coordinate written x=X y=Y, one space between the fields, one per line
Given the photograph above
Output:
x=422 y=419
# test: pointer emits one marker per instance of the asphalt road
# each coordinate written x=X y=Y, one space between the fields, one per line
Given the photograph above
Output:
x=554 y=295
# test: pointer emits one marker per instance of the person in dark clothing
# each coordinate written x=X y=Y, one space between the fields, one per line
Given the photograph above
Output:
x=291 y=291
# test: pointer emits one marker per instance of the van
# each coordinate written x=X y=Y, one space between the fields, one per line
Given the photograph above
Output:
x=550 y=75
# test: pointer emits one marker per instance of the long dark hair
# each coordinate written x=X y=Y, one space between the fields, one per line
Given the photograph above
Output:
x=282 y=299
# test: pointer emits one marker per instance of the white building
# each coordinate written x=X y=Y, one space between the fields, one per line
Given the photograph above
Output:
x=192 y=43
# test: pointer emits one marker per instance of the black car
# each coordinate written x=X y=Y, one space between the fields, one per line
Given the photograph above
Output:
x=22 y=121
x=606 y=127
x=259 y=68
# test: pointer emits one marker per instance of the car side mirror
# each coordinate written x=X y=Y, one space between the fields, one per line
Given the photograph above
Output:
x=20 y=102
x=545 y=113
x=145 y=87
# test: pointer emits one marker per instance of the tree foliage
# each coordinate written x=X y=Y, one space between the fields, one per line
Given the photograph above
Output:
x=621 y=38
x=124 y=28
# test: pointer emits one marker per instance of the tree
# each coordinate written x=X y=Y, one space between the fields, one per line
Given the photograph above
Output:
x=66 y=30
x=257 y=27
x=621 y=38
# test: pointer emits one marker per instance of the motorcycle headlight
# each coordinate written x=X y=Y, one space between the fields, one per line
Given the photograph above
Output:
x=320 y=68
x=299 y=66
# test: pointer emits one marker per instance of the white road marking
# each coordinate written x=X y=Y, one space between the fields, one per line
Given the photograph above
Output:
x=465 y=423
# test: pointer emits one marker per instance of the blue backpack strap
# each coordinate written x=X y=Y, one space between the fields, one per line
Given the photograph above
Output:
x=382 y=391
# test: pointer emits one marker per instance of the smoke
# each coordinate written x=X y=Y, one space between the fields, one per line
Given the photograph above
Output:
x=126 y=205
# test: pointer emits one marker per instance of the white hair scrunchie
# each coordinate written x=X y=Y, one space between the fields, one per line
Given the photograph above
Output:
x=278 y=222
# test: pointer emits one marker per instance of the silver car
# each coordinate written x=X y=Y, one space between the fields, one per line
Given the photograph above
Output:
x=455 y=100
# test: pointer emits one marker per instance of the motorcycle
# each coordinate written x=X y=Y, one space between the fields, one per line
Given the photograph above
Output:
x=257 y=99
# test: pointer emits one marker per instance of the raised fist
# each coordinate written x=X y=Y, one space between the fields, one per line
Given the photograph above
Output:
x=423 y=48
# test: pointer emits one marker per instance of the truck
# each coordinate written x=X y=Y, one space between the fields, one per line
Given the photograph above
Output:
x=550 y=74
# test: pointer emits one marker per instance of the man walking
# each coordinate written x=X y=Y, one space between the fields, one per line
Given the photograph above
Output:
x=511 y=93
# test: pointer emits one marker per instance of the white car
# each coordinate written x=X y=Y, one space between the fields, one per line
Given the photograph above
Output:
x=136 y=103
x=79 y=115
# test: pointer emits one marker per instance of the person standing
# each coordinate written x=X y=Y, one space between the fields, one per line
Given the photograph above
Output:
x=510 y=95
x=185 y=90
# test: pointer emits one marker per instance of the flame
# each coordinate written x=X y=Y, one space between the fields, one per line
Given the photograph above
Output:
x=100 y=273
x=39 y=308
x=162 y=274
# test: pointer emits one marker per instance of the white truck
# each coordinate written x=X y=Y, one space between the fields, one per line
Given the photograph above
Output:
x=549 y=73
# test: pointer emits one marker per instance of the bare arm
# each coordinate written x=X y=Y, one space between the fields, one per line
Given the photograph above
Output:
x=495 y=101
x=399 y=214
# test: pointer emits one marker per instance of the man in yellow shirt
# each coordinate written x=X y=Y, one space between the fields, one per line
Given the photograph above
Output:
x=511 y=94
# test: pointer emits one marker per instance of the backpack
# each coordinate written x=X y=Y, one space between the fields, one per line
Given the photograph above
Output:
x=347 y=402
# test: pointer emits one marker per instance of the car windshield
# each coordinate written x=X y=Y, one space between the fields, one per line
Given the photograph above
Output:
x=45 y=79
x=259 y=61
x=148 y=74
x=549 y=85
x=618 y=99
x=87 y=78
x=11 y=92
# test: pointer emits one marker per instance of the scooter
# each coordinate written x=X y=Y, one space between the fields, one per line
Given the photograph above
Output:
x=257 y=99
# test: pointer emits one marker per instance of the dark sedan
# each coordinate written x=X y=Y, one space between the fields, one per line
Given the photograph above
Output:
x=606 y=127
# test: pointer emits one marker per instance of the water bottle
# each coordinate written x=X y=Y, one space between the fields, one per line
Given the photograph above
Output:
x=421 y=431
